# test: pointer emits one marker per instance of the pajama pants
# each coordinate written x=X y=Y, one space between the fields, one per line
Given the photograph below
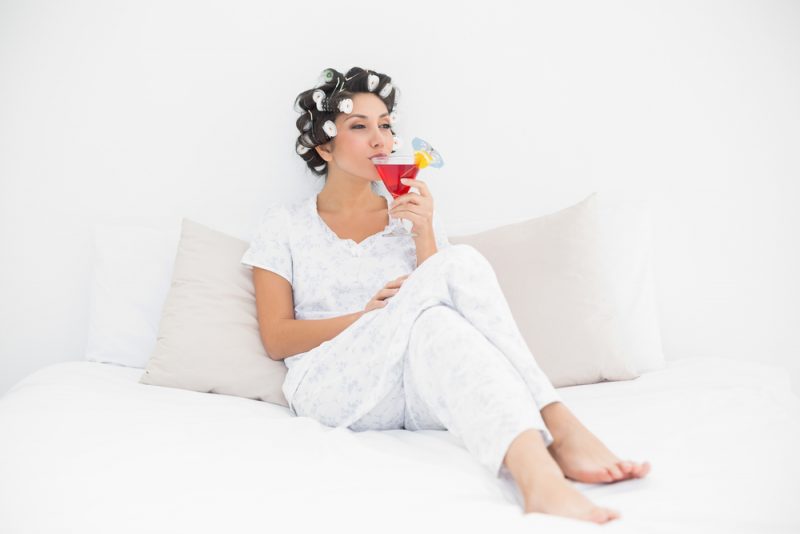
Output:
x=444 y=353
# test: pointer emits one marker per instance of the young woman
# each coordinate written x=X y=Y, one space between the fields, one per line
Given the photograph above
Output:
x=390 y=332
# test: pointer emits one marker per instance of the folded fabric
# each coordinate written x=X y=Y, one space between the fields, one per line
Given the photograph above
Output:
x=580 y=285
x=208 y=338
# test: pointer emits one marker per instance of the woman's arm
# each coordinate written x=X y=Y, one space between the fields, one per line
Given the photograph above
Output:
x=300 y=335
x=281 y=334
x=418 y=208
x=425 y=243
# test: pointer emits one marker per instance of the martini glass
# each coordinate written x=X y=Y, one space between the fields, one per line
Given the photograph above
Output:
x=391 y=170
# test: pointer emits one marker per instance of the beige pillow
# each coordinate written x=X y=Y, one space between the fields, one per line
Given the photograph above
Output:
x=208 y=338
x=579 y=283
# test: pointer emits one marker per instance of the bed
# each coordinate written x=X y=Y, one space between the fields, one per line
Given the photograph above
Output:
x=87 y=448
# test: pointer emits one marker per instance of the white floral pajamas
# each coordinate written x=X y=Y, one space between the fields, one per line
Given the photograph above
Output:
x=444 y=353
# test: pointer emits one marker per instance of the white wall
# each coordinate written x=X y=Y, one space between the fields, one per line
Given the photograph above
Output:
x=112 y=109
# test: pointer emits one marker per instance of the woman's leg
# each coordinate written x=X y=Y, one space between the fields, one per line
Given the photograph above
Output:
x=388 y=414
x=462 y=278
x=455 y=379
x=467 y=282
x=471 y=287
x=346 y=377
x=543 y=485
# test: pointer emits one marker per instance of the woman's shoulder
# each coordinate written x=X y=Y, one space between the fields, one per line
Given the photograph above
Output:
x=281 y=217
x=286 y=211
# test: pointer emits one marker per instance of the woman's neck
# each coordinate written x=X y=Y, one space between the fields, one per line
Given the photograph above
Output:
x=348 y=195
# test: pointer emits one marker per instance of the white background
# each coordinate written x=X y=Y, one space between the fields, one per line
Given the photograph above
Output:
x=184 y=108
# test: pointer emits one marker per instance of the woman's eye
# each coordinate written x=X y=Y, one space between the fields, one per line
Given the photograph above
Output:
x=387 y=126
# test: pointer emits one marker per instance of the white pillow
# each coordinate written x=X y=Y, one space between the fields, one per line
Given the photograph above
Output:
x=131 y=272
x=580 y=285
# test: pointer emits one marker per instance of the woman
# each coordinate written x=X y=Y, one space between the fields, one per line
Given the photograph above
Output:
x=386 y=332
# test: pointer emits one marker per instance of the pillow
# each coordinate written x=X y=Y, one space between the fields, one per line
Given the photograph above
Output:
x=208 y=337
x=131 y=270
x=579 y=283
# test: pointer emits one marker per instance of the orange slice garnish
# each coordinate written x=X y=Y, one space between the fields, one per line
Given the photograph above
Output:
x=422 y=159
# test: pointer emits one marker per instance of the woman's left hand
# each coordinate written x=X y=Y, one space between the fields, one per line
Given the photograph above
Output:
x=416 y=207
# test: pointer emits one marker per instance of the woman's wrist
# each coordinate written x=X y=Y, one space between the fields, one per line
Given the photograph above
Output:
x=426 y=247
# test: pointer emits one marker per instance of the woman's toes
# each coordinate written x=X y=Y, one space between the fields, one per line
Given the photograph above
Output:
x=597 y=476
x=642 y=469
x=615 y=472
x=631 y=469
x=627 y=468
x=603 y=515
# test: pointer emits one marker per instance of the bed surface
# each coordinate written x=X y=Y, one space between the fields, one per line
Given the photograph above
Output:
x=86 y=448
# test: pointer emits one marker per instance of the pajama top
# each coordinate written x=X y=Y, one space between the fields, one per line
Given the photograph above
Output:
x=329 y=276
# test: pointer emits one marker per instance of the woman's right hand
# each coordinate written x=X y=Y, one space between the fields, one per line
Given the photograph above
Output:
x=381 y=297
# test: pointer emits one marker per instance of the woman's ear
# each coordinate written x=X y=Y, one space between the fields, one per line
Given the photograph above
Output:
x=324 y=151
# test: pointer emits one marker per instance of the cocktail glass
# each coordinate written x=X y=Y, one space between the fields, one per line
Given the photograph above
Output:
x=391 y=170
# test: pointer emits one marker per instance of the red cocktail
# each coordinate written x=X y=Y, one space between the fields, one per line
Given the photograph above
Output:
x=391 y=175
x=391 y=170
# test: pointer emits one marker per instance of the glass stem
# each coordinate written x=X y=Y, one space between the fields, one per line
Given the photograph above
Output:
x=395 y=224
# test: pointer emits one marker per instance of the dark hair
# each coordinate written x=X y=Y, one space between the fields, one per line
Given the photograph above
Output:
x=336 y=88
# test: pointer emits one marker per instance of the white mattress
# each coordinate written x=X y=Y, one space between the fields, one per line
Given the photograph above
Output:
x=85 y=448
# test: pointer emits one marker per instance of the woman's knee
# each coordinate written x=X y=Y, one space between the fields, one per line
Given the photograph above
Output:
x=438 y=330
x=436 y=313
x=427 y=328
x=467 y=257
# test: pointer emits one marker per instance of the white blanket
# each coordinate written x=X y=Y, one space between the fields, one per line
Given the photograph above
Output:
x=85 y=448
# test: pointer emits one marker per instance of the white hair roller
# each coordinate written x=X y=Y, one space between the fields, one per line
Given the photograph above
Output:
x=302 y=149
x=330 y=128
x=372 y=82
x=346 y=106
x=397 y=143
x=386 y=91
x=319 y=97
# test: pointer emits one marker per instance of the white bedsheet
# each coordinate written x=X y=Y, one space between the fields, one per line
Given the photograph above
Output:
x=85 y=448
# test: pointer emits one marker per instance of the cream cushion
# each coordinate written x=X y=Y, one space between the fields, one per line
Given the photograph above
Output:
x=580 y=285
x=208 y=338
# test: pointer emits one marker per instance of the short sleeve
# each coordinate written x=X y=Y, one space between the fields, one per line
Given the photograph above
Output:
x=269 y=248
x=439 y=233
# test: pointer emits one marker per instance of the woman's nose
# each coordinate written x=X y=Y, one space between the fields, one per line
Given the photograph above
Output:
x=377 y=138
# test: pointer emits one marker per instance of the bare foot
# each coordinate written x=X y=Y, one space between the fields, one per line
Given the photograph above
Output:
x=551 y=493
x=581 y=455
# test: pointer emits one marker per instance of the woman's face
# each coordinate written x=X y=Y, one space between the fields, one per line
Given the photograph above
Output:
x=361 y=135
